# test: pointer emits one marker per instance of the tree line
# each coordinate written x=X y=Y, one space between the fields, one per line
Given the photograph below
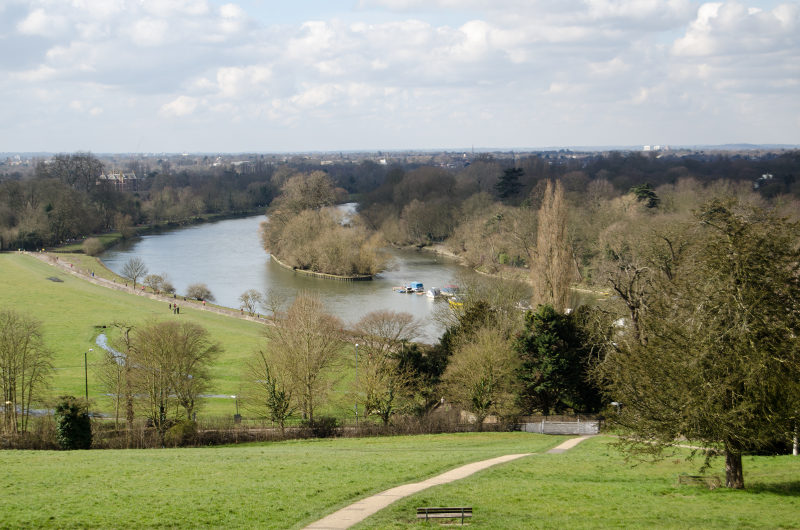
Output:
x=60 y=199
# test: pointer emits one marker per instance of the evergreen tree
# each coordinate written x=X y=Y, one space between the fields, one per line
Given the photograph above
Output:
x=509 y=185
x=721 y=365
x=73 y=425
x=645 y=193
x=555 y=364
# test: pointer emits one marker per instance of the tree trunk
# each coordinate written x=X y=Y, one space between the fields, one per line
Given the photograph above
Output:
x=734 y=477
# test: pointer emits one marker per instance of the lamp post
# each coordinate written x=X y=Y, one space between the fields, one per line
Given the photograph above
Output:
x=356 y=406
x=236 y=417
x=86 y=375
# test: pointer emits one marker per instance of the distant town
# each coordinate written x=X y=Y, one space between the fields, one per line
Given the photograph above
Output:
x=244 y=163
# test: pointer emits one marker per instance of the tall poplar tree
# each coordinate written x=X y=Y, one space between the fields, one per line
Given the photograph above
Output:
x=552 y=266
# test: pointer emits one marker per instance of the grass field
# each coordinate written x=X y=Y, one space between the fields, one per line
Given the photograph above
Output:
x=278 y=485
x=290 y=484
x=72 y=312
x=591 y=486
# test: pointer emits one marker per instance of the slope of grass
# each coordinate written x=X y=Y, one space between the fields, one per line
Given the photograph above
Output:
x=73 y=312
x=279 y=485
x=591 y=486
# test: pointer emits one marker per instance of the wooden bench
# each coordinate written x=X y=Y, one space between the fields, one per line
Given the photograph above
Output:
x=442 y=513
x=712 y=482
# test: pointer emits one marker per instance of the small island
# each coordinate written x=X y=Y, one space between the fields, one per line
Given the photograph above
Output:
x=306 y=233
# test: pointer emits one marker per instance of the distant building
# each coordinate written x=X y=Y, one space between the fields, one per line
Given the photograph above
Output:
x=119 y=181
x=763 y=179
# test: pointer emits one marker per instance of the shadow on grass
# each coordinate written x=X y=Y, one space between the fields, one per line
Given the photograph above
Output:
x=789 y=489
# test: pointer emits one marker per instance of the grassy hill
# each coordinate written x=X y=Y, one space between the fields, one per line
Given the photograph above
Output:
x=73 y=311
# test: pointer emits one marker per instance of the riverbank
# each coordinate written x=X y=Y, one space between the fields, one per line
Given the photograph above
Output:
x=505 y=272
x=93 y=270
x=109 y=239
x=326 y=276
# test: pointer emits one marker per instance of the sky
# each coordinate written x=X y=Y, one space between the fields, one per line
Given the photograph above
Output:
x=340 y=75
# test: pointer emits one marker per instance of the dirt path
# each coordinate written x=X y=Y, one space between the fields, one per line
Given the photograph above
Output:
x=360 y=510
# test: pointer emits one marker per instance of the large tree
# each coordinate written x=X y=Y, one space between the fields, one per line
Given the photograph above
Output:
x=556 y=355
x=480 y=376
x=303 y=347
x=721 y=363
x=169 y=362
x=134 y=269
x=383 y=383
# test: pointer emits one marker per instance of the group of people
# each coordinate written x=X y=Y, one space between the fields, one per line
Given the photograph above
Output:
x=174 y=308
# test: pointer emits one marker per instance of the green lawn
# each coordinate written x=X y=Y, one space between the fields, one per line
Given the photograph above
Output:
x=72 y=311
x=591 y=486
x=277 y=485
x=291 y=484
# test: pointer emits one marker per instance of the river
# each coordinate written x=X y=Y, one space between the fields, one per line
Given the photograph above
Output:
x=227 y=256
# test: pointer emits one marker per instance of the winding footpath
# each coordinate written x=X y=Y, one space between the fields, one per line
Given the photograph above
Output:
x=360 y=510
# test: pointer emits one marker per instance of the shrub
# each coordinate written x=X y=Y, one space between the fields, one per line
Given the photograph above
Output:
x=92 y=246
x=182 y=433
x=73 y=425
x=154 y=281
x=199 y=291
x=321 y=427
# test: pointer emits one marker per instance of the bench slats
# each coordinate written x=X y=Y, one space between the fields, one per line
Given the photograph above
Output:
x=444 y=512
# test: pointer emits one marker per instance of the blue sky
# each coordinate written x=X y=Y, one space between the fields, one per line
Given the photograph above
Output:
x=267 y=76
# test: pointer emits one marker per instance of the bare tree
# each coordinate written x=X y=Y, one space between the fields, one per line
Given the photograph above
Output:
x=382 y=383
x=267 y=390
x=273 y=301
x=25 y=365
x=169 y=363
x=250 y=300
x=552 y=267
x=112 y=372
x=304 y=346
x=134 y=269
x=154 y=282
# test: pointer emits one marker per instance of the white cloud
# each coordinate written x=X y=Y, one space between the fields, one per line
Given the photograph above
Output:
x=234 y=81
x=40 y=22
x=175 y=8
x=37 y=75
x=727 y=28
x=149 y=32
x=179 y=107
x=593 y=65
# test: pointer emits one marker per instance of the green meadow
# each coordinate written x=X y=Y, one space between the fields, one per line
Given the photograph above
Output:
x=73 y=311
x=291 y=484
x=592 y=486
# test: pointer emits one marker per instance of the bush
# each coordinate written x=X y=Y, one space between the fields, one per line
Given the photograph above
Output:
x=92 y=246
x=73 y=425
x=321 y=427
x=182 y=433
x=199 y=291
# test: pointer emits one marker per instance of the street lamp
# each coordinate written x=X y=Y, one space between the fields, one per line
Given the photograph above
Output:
x=356 y=407
x=236 y=417
x=86 y=375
